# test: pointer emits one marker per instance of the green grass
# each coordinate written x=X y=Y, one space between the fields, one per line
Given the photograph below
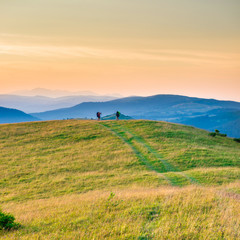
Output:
x=171 y=181
x=187 y=147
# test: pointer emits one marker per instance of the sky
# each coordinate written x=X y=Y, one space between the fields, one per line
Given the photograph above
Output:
x=130 y=47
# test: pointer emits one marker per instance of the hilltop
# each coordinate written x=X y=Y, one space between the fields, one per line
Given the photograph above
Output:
x=172 y=108
x=113 y=117
x=81 y=179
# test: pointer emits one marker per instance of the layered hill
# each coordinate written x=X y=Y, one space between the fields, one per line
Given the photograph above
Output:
x=171 y=108
x=224 y=119
x=8 y=115
x=79 y=179
x=42 y=103
x=159 y=106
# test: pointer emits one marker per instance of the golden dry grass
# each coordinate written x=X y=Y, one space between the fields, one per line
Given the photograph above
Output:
x=136 y=213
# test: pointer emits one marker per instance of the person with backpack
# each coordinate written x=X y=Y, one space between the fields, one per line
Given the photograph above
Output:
x=117 y=115
x=99 y=115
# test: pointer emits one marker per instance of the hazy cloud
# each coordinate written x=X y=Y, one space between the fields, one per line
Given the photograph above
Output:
x=97 y=53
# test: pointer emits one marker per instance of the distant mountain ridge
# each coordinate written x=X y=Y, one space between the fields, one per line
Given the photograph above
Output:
x=158 y=106
x=58 y=93
x=42 y=103
x=50 y=93
x=8 y=115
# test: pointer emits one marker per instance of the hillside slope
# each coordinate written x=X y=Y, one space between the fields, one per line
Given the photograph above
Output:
x=57 y=178
x=225 y=120
x=8 y=115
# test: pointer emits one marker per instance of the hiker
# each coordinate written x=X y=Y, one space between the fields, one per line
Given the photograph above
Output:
x=117 y=115
x=98 y=115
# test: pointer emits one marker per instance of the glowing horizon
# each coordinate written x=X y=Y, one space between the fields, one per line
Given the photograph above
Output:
x=131 y=48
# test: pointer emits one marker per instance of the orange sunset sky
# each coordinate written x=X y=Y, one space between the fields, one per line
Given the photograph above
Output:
x=131 y=47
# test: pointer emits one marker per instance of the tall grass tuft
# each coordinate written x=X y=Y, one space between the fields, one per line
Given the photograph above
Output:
x=7 y=221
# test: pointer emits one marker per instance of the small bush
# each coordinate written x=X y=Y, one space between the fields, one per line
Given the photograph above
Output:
x=217 y=133
x=222 y=135
x=236 y=140
x=7 y=221
x=212 y=134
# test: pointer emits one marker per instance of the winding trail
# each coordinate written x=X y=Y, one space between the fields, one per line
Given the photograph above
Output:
x=164 y=166
x=138 y=153
x=169 y=167
x=167 y=171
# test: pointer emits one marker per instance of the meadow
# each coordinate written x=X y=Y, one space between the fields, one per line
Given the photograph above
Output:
x=80 y=179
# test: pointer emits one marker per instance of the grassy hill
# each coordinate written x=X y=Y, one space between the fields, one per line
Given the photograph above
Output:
x=77 y=179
